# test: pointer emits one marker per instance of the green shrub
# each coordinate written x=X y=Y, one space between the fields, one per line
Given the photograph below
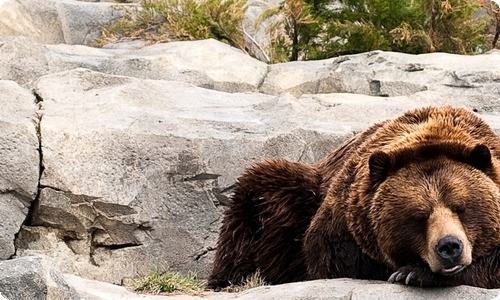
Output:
x=308 y=29
x=447 y=26
x=165 y=20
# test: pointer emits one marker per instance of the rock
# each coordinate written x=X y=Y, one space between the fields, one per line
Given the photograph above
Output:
x=33 y=278
x=302 y=77
x=349 y=289
x=339 y=289
x=215 y=65
x=96 y=290
x=79 y=22
x=381 y=73
x=56 y=21
x=22 y=60
x=257 y=38
x=208 y=63
x=133 y=178
x=19 y=161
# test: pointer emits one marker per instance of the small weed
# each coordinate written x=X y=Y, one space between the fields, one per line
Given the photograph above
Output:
x=170 y=282
x=252 y=281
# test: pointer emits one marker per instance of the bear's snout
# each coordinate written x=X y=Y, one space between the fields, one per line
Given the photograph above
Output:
x=449 y=249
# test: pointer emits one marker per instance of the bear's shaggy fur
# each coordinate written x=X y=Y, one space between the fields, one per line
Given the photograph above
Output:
x=416 y=197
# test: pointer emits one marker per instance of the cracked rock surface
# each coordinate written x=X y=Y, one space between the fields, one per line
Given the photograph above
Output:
x=19 y=162
x=133 y=178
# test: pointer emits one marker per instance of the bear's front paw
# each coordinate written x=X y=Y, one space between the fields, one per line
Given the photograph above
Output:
x=416 y=275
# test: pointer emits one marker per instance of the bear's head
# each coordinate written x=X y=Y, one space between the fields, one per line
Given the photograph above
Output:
x=436 y=203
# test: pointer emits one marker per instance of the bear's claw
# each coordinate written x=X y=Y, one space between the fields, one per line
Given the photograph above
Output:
x=408 y=278
x=395 y=277
x=413 y=275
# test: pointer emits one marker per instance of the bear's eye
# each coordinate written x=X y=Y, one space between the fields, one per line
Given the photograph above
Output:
x=459 y=210
x=420 y=217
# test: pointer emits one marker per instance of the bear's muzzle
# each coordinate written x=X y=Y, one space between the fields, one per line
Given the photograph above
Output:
x=449 y=249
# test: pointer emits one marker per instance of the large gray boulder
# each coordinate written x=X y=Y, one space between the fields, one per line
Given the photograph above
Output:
x=33 y=278
x=19 y=161
x=381 y=73
x=135 y=170
x=22 y=60
x=208 y=63
x=56 y=21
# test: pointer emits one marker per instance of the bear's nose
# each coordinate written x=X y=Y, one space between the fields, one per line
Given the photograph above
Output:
x=449 y=248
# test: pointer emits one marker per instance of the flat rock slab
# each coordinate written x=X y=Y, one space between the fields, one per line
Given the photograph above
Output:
x=96 y=290
x=349 y=289
x=333 y=289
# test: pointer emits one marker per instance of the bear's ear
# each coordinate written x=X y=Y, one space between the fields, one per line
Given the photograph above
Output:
x=380 y=165
x=480 y=157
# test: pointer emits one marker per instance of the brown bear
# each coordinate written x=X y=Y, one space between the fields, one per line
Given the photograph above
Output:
x=415 y=199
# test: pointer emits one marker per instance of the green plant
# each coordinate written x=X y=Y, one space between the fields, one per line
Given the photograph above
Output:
x=170 y=282
x=447 y=26
x=296 y=20
x=165 y=20
x=136 y=23
x=307 y=29
x=364 y=25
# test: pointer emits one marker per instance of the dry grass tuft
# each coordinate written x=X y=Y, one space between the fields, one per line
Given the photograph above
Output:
x=170 y=283
x=252 y=281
